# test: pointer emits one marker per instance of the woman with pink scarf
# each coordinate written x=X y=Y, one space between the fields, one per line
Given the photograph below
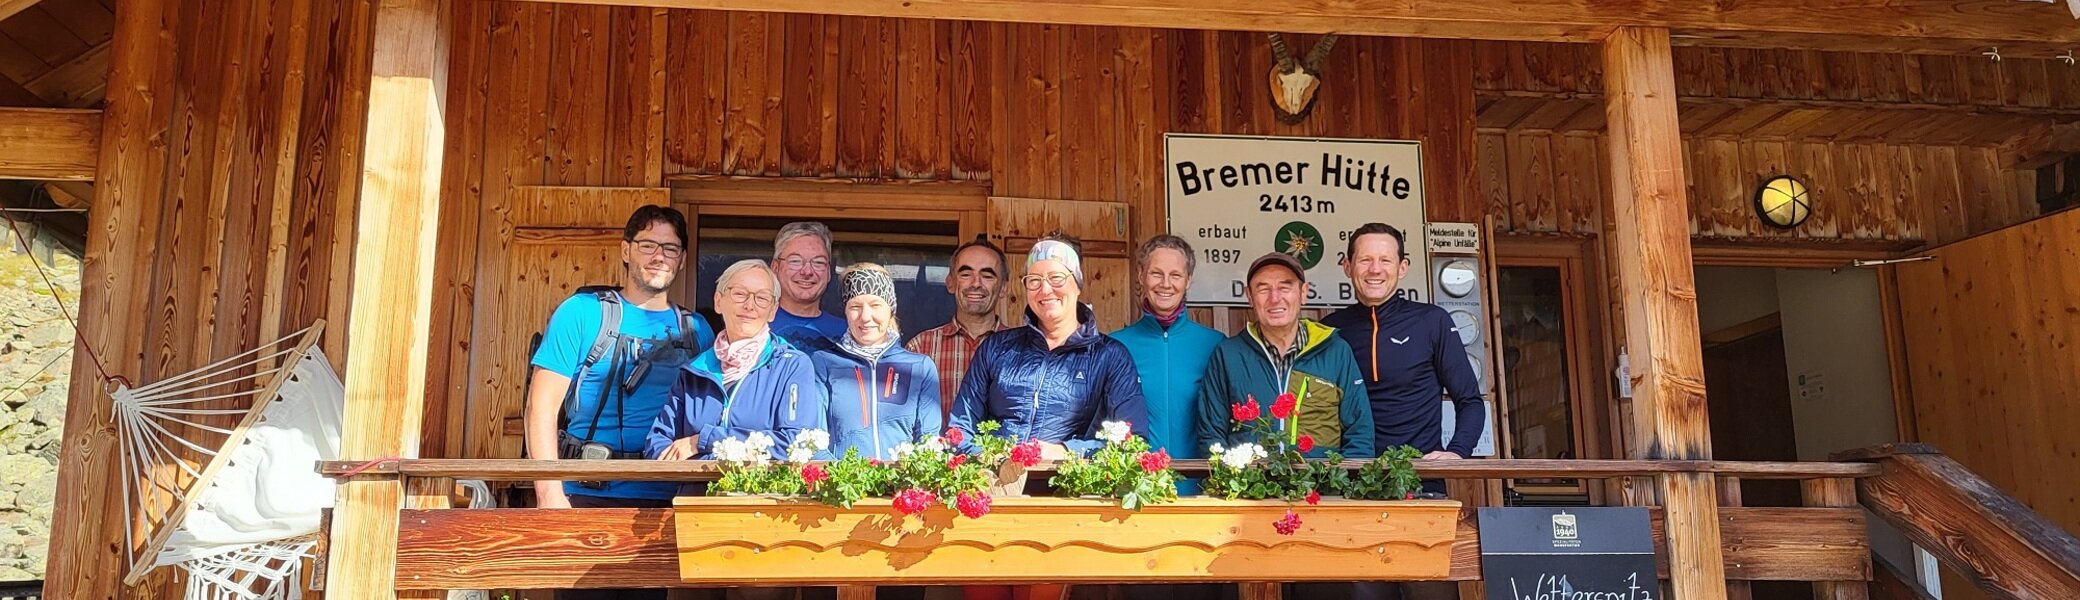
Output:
x=751 y=381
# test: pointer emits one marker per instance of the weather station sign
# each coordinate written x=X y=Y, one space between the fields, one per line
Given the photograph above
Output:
x=1237 y=197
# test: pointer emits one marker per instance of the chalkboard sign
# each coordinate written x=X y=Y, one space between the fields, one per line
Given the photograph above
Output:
x=1568 y=554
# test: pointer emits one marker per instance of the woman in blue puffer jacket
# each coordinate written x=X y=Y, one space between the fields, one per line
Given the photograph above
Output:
x=881 y=395
x=1056 y=379
x=751 y=382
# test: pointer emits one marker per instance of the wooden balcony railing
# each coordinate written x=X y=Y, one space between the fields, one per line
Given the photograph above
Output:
x=615 y=548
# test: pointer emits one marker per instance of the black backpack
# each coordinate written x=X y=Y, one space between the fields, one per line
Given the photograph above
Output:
x=609 y=343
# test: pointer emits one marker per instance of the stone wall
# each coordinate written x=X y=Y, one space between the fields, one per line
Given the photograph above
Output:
x=35 y=369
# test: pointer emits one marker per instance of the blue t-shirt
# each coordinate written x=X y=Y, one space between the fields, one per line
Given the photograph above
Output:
x=623 y=424
x=807 y=332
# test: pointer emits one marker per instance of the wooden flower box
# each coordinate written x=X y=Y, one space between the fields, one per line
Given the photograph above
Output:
x=735 y=540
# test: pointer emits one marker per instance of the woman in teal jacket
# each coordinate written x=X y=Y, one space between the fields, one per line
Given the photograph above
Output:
x=1170 y=350
x=881 y=395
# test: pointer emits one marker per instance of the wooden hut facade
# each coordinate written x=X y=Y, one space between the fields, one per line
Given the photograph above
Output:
x=431 y=176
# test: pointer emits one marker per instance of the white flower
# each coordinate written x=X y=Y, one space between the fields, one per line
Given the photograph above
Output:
x=1114 y=432
x=813 y=439
x=799 y=455
x=902 y=450
x=936 y=444
x=732 y=450
x=1241 y=456
x=758 y=440
x=1216 y=450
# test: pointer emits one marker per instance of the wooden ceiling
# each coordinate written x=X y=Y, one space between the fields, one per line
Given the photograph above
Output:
x=54 y=53
x=1777 y=94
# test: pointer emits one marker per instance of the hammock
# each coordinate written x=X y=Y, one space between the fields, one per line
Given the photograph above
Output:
x=230 y=447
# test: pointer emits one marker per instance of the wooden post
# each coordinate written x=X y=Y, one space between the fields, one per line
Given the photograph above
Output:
x=391 y=307
x=1834 y=493
x=1660 y=297
x=87 y=538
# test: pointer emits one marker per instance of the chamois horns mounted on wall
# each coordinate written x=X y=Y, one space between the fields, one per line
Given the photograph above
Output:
x=1294 y=82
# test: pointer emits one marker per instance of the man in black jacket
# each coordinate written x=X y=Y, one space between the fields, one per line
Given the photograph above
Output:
x=1410 y=354
x=1409 y=351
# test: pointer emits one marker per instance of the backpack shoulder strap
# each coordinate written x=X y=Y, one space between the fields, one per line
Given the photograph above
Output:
x=689 y=337
x=609 y=325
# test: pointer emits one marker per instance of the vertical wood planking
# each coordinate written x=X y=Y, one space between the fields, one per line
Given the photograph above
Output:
x=577 y=99
x=695 y=73
x=1577 y=175
x=635 y=97
x=462 y=181
x=1088 y=147
x=84 y=542
x=809 y=112
x=751 y=100
x=866 y=97
x=1142 y=53
x=1448 y=165
x=515 y=138
x=921 y=87
x=974 y=63
x=1531 y=181
x=1492 y=154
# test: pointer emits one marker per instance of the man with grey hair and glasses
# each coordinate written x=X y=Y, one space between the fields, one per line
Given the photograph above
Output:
x=802 y=258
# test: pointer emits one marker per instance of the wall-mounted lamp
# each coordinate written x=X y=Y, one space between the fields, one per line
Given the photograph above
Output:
x=1782 y=202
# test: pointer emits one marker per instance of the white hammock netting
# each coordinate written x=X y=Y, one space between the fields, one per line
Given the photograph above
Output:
x=219 y=468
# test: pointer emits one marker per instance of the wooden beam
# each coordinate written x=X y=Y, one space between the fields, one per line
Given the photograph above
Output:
x=2041 y=146
x=1925 y=26
x=390 y=310
x=91 y=536
x=595 y=548
x=49 y=143
x=1652 y=242
x=70 y=194
x=1975 y=529
x=701 y=470
x=9 y=8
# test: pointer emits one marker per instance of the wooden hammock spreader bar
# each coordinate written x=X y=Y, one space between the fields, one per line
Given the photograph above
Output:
x=643 y=470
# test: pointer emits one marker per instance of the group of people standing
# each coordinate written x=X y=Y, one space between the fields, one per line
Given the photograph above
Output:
x=1369 y=376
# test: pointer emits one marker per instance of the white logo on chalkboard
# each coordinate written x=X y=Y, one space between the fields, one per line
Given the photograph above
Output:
x=1565 y=534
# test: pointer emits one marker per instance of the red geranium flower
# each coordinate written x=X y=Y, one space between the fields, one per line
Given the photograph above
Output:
x=913 y=501
x=1306 y=443
x=1026 y=454
x=1410 y=496
x=1283 y=407
x=1314 y=497
x=1287 y=525
x=972 y=504
x=1246 y=411
x=1155 y=461
x=956 y=461
x=954 y=436
x=813 y=473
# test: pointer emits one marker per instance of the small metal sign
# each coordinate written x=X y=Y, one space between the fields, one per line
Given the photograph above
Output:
x=1568 y=553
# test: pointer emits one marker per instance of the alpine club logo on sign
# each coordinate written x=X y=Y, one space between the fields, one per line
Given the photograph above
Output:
x=1237 y=197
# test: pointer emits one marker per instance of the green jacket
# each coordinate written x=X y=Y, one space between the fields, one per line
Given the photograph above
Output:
x=1333 y=411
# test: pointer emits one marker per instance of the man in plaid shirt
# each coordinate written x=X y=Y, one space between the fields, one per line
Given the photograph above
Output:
x=976 y=279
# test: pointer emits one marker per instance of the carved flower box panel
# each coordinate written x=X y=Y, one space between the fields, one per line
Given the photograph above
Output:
x=764 y=540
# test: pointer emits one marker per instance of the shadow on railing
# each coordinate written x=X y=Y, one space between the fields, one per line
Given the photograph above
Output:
x=21 y=590
x=1975 y=529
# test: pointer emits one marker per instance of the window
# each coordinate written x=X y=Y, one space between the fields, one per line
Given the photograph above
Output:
x=914 y=252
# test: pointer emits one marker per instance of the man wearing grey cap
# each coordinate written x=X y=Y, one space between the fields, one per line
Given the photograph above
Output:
x=1281 y=353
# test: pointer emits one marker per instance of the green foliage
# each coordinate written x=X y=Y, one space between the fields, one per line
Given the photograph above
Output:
x=1119 y=470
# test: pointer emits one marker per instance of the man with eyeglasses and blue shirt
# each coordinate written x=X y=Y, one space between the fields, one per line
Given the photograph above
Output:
x=802 y=257
x=603 y=368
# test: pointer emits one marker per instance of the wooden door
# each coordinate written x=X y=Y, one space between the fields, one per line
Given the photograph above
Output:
x=1107 y=251
x=554 y=240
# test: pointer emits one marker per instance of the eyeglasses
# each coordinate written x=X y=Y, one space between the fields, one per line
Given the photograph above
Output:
x=796 y=263
x=742 y=296
x=1054 y=280
x=650 y=248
